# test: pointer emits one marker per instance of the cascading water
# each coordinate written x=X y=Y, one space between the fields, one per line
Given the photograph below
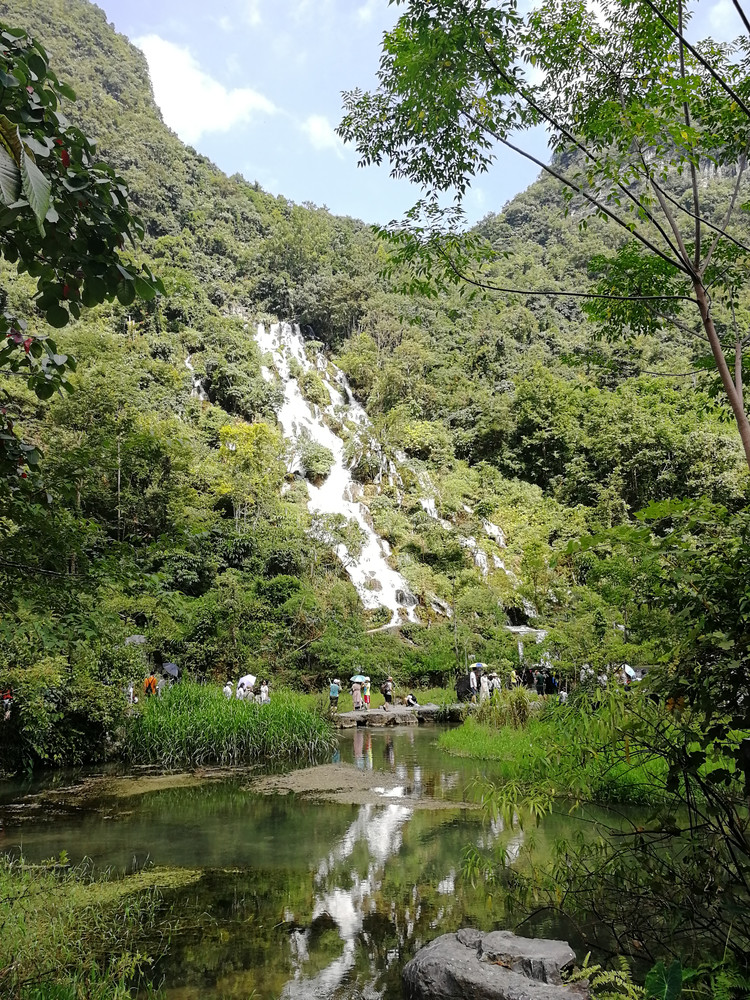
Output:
x=377 y=583
x=197 y=391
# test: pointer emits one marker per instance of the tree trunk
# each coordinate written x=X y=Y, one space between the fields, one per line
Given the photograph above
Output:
x=743 y=425
x=119 y=480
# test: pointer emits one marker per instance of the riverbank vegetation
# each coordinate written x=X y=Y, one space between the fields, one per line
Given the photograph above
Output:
x=563 y=752
x=68 y=935
x=194 y=725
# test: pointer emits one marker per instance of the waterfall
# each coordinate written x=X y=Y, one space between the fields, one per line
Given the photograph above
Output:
x=377 y=583
x=197 y=391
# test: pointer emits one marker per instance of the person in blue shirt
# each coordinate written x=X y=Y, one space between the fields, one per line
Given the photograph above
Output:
x=333 y=695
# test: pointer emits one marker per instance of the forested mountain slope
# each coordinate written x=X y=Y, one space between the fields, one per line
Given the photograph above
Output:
x=491 y=412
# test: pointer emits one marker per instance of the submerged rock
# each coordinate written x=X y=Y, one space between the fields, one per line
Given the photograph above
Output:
x=494 y=966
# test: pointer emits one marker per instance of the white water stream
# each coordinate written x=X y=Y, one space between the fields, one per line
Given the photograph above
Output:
x=376 y=581
x=197 y=391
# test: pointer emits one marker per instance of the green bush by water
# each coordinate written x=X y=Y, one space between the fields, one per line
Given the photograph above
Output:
x=194 y=724
x=548 y=752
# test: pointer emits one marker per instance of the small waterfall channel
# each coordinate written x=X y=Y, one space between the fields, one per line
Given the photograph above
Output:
x=197 y=391
x=377 y=583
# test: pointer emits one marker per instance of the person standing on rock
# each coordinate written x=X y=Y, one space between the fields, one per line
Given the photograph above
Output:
x=357 y=695
x=473 y=684
x=333 y=695
x=388 y=692
x=366 y=692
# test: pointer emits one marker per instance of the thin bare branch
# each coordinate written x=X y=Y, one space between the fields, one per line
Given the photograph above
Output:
x=704 y=221
x=727 y=217
x=562 y=294
x=601 y=206
x=688 y=126
x=740 y=11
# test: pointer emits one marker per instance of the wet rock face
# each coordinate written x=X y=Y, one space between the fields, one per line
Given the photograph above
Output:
x=494 y=966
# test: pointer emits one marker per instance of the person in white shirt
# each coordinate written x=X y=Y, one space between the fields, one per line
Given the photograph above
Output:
x=473 y=684
x=484 y=688
x=265 y=697
x=228 y=692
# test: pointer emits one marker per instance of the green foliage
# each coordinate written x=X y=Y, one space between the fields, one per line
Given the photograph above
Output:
x=69 y=936
x=64 y=220
x=317 y=460
x=313 y=388
x=607 y=984
x=664 y=983
x=192 y=725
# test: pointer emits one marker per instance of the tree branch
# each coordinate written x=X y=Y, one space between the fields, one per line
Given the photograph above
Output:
x=694 y=52
x=730 y=209
x=565 y=132
x=677 y=264
x=688 y=126
x=741 y=12
x=559 y=293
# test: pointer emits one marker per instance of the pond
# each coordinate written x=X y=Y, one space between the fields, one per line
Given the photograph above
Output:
x=300 y=898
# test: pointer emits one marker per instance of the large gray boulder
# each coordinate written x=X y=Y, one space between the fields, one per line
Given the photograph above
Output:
x=470 y=965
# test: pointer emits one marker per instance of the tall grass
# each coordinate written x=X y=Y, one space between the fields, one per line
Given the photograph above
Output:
x=192 y=725
x=506 y=708
x=548 y=752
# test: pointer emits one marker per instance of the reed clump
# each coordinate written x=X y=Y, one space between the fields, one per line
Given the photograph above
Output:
x=192 y=725
x=506 y=708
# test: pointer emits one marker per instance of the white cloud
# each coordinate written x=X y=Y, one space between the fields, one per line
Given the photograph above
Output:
x=251 y=12
x=191 y=101
x=305 y=10
x=367 y=11
x=723 y=21
x=321 y=134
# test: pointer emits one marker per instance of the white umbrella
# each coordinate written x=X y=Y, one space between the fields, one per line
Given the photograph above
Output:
x=628 y=670
x=248 y=680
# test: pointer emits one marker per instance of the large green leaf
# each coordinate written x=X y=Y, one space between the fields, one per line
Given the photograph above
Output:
x=10 y=138
x=37 y=189
x=11 y=152
x=664 y=984
x=10 y=178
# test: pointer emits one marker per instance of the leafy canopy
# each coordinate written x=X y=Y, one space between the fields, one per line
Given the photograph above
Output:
x=634 y=113
x=64 y=219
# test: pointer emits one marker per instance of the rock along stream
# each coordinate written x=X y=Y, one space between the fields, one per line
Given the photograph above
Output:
x=298 y=898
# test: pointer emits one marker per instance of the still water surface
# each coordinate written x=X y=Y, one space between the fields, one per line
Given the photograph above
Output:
x=308 y=900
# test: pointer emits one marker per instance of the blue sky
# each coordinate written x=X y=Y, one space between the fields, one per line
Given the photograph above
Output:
x=256 y=86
